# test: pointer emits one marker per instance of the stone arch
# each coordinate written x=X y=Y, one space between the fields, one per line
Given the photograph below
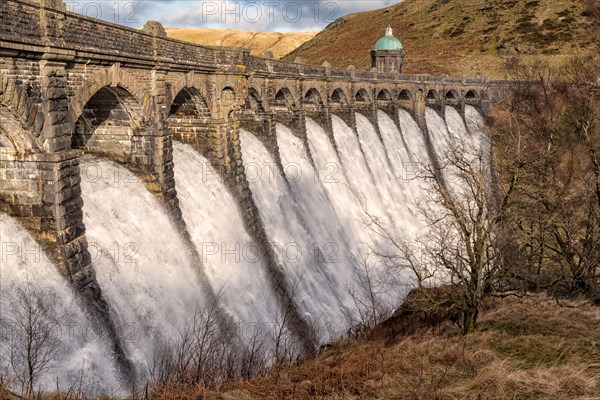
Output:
x=13 y=137
x=313 y=97
x=108 y=123
x=432 y=95
x=405 y=94
x=361 y=96
x=284 y=98
x=254 y=101
x=384 y=95
x=189 y=101
x=107 y=77
x=190 y=81
x=189 y=115
x=338 y=96
x=472 y=95
x=451 y=95
x=228 y=96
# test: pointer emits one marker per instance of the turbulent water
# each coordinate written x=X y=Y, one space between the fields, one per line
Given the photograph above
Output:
x=232 y=263
x=325 y=204
x=31 y=289
x=145 y=271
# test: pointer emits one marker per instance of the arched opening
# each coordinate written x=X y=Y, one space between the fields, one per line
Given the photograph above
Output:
x=284 y=98
x=451 y=95
x=362 y=96
x=312 y=97
x=228 y=96
x=404 y=95
x=431 y=95
x=384 y=95
x=253 y=101
x=108 y=122
x=471 y=95
x=189 y=115
x=338 y=96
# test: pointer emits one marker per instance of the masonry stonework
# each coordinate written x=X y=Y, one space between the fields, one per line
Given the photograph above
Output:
x=72 y=85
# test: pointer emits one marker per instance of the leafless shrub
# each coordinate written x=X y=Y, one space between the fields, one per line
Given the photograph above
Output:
x=33 y=334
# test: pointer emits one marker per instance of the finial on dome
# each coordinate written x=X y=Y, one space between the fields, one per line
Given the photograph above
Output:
x=389 y=31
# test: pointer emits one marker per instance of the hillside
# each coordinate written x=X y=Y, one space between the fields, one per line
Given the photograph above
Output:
x=458 y=37
x=258 y=42
x=530 y=348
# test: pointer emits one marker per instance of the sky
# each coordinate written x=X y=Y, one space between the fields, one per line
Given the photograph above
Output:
x=252 y=15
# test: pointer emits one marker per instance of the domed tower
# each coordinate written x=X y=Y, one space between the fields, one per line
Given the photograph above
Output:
x=388 y=53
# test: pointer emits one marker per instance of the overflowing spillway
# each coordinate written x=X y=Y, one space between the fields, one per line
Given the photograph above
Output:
x=144 y=268
x=42 y=318
x=326 y=201
x=233 y=265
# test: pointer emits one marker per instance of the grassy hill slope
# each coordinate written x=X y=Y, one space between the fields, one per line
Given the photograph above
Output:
x=527 y=348
x=258 y=42
x=459 y=37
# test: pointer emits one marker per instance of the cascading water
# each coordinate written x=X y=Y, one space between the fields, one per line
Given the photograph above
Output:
x=146 y=272
x=392 y=197
x=293 y=245
x=151 y=280
x=395 y=146
x=438 y=133
x=357 y=170
x=229 y=256
x=32 y=290
x=347 y=203
x=478 y=130
x=336 y=264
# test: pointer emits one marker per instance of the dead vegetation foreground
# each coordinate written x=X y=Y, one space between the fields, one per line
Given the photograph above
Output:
x=525 y=348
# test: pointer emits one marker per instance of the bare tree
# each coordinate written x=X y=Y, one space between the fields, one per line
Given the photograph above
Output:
x=34 y=334
x=371 y=293
x=466 y=231
x=557 y=218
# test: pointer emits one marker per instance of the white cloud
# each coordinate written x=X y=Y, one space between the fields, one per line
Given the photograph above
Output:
x=256 y=15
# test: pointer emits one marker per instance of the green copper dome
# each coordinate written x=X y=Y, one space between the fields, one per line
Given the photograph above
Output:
x=388 y=42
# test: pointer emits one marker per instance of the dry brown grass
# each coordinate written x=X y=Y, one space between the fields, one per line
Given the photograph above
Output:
x=530 y=348
x=461 y=37
x=258 y=42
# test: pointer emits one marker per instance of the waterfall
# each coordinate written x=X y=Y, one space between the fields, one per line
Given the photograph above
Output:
x=335 y=263
x=144 y=268
x=230 y=258
x=357 y=170
x=313 y=201
x=308 y=279
x=438 y=133
x=346 y=202
x=28 y=278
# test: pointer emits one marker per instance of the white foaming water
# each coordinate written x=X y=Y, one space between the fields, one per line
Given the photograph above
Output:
x=414 y=139
x=392 y=198
x=144 y=268
x=26 y=276
x=438 y=132
x=395 y=145
x=229 y=255
x=343 y=198
x=337 y=264
x=477 y=128
x=290 y=238
x=357 y=170
x=407 y=187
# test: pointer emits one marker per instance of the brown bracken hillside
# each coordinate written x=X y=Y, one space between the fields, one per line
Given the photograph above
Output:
x=258 y=42
x=462 y=37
